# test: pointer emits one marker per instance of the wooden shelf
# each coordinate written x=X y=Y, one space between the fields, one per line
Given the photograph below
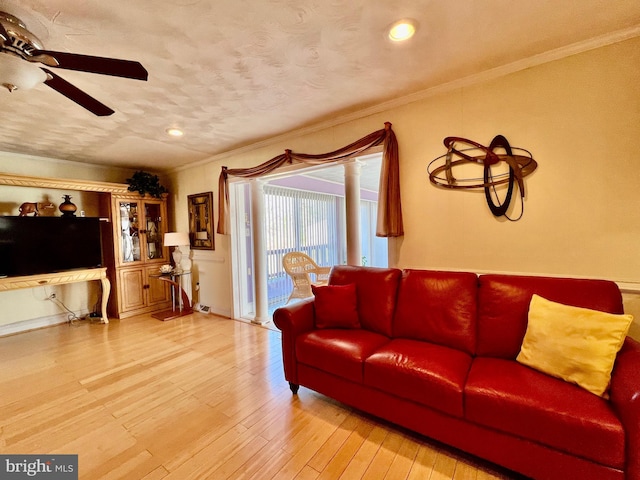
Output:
x=63 y=184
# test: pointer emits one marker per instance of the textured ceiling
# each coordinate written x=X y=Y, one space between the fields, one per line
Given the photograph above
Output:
x=235 y=72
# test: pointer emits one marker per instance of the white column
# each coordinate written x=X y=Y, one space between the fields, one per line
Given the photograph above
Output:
x=259 y=252
x=352 y=207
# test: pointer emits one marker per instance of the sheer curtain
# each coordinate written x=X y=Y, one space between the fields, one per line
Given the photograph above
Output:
x=389 y=221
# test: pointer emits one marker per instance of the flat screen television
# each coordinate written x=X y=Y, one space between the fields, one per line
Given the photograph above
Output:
x=34 y=245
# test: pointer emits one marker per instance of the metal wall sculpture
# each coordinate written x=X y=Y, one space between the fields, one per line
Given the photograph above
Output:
x=461 y=151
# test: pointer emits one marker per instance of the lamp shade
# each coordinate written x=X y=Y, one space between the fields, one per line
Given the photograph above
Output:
x=175 y=239
x=16 y=73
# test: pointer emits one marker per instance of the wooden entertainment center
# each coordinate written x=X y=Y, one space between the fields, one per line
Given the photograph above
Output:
x=134 y=227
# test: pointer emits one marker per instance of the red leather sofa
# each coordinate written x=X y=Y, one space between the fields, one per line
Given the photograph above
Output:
x=435 y=353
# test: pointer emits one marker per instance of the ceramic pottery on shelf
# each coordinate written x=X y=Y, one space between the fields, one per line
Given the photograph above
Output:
x=67 y=208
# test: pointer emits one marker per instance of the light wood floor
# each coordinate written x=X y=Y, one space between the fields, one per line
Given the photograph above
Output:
x=197 y=397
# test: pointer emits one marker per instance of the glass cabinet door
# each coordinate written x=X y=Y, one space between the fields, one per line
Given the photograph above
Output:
x=129 y=232
x=154 y=230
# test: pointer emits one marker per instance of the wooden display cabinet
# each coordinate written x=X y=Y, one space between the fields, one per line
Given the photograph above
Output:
x=139 y=224
x=132 y=243
x=140 y=291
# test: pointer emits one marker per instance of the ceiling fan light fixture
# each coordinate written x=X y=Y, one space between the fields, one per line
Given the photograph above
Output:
x=16 y=74
x=402 y=30
x=21 y=40
x=20 y=50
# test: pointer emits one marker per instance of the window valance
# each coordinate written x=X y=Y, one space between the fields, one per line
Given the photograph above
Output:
x=389 y=222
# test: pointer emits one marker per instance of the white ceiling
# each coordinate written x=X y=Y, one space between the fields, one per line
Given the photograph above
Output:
x=235 y=72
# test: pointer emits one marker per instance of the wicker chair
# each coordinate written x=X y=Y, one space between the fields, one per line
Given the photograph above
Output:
x=299 y=266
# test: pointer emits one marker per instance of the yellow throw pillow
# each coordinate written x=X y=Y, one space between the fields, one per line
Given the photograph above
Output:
x=575 y=344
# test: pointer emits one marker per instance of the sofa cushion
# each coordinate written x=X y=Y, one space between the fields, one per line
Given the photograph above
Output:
x=338 y=351
x=336 y=306
x=578 y=345
x=510 y=397
x=438 y=307
x=423 y=372
x=377 y=290
x=503 y=305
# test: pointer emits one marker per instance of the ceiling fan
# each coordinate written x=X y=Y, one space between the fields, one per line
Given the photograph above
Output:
x=20 y=51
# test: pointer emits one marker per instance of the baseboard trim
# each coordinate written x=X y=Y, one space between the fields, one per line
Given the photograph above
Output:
x=221 y=312
x=35 y=324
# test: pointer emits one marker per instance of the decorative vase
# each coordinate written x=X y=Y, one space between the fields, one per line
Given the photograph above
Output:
x=67 y=208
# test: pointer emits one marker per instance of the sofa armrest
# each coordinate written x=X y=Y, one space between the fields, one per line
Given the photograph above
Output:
x=625 y=397
x=292 y=320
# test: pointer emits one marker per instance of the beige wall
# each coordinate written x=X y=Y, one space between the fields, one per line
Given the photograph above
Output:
x=57 y=168
x=580 y=119
x=579 y=116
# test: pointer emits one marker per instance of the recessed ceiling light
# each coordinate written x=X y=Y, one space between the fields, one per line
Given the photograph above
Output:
x=174 y=132
x=402 y=30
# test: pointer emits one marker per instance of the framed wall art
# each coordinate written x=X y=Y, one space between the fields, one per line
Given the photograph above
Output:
x=201 y=221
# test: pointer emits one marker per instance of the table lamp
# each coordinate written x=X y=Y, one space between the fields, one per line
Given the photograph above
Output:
x=177 y=239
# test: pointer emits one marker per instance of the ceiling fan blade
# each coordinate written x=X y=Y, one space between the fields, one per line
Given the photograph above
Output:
x=87 y=63
x=74 y=93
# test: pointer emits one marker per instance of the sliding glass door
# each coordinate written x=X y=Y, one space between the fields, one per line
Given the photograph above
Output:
x=305 y=212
